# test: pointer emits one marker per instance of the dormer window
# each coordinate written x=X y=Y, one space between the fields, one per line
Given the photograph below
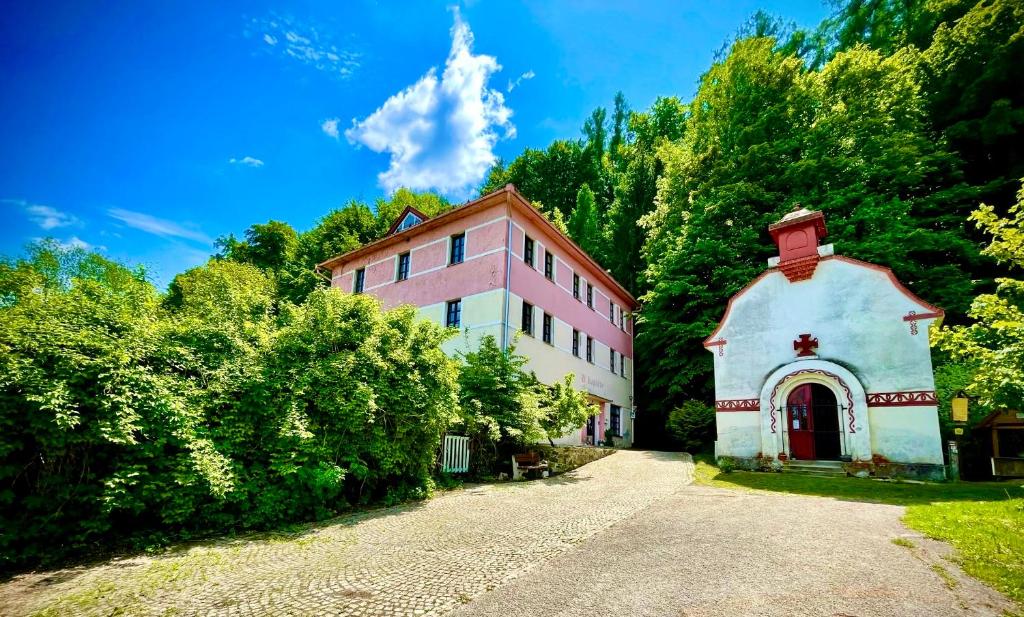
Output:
x=409 y=220
x=410 y=217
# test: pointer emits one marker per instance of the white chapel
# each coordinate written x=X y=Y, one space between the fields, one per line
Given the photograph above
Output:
x=826 y=358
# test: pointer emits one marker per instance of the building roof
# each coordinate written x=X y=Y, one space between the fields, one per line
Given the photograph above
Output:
x=507 y=195
x=932 y=311
x=799 y=215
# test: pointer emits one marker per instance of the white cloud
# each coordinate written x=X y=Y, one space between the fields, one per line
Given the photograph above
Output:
x=248 y=161
x=512 y=85
x=74 y=242
x=440 y=132
x=157 y=226
x=304 y=43
x=330 y=127
x=47 y=217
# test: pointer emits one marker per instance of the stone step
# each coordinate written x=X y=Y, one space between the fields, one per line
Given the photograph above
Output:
x=815 y=468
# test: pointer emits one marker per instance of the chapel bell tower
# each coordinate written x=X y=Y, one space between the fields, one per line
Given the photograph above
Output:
x=798 y=236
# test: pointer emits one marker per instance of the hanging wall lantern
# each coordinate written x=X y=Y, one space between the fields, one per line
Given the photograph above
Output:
x=959 y=407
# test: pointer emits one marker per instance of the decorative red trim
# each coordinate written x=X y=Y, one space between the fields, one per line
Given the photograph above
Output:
x=903 y=399
x=846 y=388
x=888 y=272
x=720 y=343
x=799 y=269
x=912 y=316
x=740 y=404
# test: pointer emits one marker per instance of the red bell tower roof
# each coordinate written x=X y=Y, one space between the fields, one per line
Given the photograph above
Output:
x=798 y=235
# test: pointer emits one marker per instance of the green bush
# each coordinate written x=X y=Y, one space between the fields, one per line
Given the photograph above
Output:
x=504 y=408
x=130 y=418
x=692 y=426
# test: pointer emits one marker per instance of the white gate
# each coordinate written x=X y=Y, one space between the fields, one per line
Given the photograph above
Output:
x=455 y=455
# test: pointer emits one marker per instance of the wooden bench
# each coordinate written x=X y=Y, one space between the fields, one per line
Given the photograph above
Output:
x=525 y=464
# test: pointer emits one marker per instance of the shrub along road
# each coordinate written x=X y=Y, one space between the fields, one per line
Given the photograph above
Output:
x=626 y=534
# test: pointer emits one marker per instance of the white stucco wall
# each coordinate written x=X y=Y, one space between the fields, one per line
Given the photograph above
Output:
x=856 y=312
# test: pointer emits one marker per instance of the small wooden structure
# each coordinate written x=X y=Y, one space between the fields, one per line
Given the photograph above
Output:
x=1007 y=443
x=524 y=464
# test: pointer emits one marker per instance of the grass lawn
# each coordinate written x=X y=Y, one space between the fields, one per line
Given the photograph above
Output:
x=983 y=521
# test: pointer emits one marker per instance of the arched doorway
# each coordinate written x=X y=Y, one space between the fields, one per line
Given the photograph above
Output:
x=812 y=421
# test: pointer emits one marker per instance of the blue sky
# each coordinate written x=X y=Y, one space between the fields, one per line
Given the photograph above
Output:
x=146 y=130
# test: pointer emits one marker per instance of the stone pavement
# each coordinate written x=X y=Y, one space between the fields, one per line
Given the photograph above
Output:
x=704 y=552
x=418 y=559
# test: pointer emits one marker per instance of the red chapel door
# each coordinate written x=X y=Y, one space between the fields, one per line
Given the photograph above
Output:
x=800 y=421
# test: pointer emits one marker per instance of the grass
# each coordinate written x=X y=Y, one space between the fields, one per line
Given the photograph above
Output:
x=983 y=521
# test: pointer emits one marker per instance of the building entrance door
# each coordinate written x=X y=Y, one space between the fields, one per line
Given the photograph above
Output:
x=812 y=418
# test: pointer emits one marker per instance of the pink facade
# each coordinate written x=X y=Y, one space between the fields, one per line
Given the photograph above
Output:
x=556 y=297
x=495 y=288
x=431 y=279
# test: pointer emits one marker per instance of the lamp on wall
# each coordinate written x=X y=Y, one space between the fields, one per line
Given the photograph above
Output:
x=959 y=407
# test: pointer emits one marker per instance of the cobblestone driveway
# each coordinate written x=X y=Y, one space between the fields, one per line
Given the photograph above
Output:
x=425 y=558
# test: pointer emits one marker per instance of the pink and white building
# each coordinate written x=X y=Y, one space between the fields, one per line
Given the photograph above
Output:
x=496 y=266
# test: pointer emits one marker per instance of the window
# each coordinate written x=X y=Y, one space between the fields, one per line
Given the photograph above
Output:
x=403 y=266
x=360 y=278
x=622 y=365
x=611 y=360
x=458 y=251
x=548 y=328
x=622 y=320
x=575 y=285
x=611 y=312
x=549 y=265
x=409 y=221
x=590 y=350
x=453 y=317
x=590 y=295
x=528 y=251
x=616 y=417
x=528 y=318
x=576 y=343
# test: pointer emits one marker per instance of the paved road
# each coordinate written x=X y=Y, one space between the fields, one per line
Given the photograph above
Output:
x=624 y=535
x=705 y=551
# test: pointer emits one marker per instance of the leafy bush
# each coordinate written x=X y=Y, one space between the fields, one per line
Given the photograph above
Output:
x=127 y=417
x=505 y=408
x=692 y=425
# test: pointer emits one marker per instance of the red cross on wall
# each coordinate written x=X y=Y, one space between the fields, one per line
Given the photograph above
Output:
x=805 y=345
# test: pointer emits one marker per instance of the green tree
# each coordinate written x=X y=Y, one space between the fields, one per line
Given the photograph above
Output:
x=565 y=408
x=551 y=177
x=971 y=71
x=637 y=186
x=620 y=126
x=765 y=134
x=127 y=417
x=692 y=426
x=96 y=433
x=270 y=245
x=994 y=343
x=584 y=225
x=505 y=408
